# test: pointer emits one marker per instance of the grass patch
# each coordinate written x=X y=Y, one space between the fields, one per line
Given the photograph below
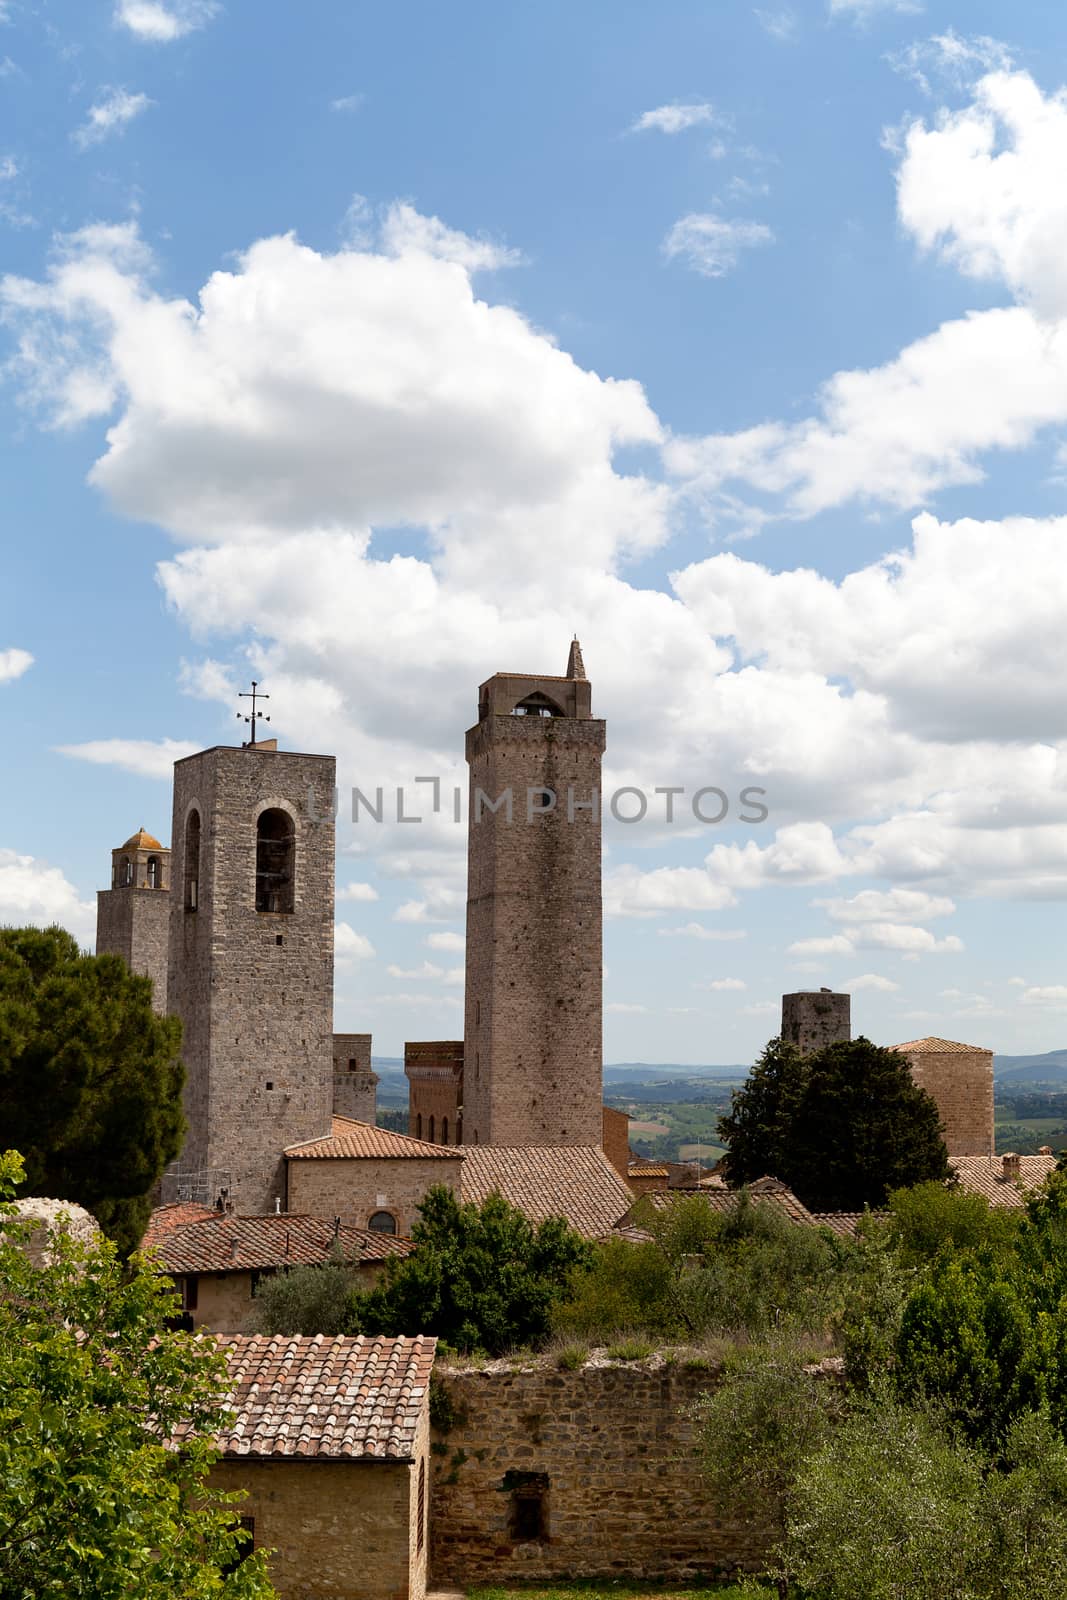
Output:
x=570 y=1357
x=629 y=1350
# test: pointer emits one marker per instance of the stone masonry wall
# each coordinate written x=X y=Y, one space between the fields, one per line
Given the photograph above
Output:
x=814 y=1018
x=355 y=1088
x=533 y=1023
x=354 y=1189
x=961 y=1082
x=254 y=990
x=434 y=1069
x=135 y=924
x=625 y=1497
x=339 y=1529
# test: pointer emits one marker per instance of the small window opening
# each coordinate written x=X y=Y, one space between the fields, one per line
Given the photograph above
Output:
x=382 y=1222
x=270 y=1084
x=537 y=705
x=275 y=854
x=190 y=1291
x=432 y=1138
x=279 y=938
x=192 y=861
x=351 y=1063
x=418 y=1125
x=444 y=1130
x=459 y=1128
x=153 y=872
x=529 y=1506
x=127 y=872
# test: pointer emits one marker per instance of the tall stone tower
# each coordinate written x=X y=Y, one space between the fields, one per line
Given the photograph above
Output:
x=959 y=1078
x=251 y=964
x=532 y=1060
x=814 y=1018
x=133 y=916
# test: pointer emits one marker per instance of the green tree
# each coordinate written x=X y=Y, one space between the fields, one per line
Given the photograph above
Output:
x=843 y=1126
x=482 y=1277
x=930 y=1219
x=90 y=1078
x=106 y=1422
x=306 y=1300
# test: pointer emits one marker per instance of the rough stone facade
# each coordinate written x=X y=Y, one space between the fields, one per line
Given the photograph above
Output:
x=611 y=1453
x=355 y=1083
x=133 y=916
x=355 y=1189
x=253 y=987
x=815 y=1018
x=434 y=1070
x=340 y=1530
x=959 y=1078
x=533 y=1022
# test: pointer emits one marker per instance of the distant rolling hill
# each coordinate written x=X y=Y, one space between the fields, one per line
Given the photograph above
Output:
x=1048 y=1071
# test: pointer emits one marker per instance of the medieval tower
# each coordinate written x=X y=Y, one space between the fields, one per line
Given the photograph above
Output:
x=251 y=964
x=815 y=1018
x=532 y=1054
x=133 y=916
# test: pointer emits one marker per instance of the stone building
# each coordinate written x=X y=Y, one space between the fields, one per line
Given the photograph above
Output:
x=814 y=1018
x=959 y=1078
x=368 y=1176
x=533 y=1026
x=330 y=1440
x=218 y=1262
x=434 y=1070
x=355 y=1083
x=251 y=964
x=133 y=916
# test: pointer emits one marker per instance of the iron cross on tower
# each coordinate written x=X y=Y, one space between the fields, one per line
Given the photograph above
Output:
x=256 y=716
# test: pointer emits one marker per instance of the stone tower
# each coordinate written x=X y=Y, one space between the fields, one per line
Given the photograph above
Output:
x=251 y=965
x=533 y=1029
x=816 y=1017
x=959 y=1078
x=355 y=1082
x=133 y=916
x=434 y=1070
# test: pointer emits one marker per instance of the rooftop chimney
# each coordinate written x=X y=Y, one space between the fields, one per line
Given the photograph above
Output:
x=1010 y=1167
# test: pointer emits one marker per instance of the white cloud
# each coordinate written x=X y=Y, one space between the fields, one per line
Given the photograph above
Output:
x=1052 y=997
x=721 y=985
x=629 y=892
x=676 y=118
x=8 y=169
x=161 y=23
x=348 y=102
x=711 y=244
x=874 y=905
x=148 y=758
x=33 y=893
x=406 y=232
x=108 y=116
x=452 y=942
x=869 y=980
x=864 y=10
x=13 y=663
x=950 y=58
x=780 y=25
x=348 y=945
x=898 y=937
x=831 y=944
x=697 y=930
x=1019 y=983
x=427 y=971
x=358 y=891
x=625 y=1008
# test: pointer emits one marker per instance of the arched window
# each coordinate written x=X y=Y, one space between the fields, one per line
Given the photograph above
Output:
x=153 y=872
x=275 y=852
x=418 y=1126
x=432 y=1140
x=476 y=1136
x=382 y=1222
x=192 y=860
x=444 y=1130
x=127 y=872
x=459 y=1128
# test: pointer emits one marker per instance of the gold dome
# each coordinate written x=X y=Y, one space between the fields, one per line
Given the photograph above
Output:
x=141 y=841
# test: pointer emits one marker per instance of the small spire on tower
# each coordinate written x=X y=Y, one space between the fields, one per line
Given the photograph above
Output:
x=575 y=664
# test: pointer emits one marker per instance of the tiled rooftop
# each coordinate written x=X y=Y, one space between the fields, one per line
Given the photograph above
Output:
x=165 y=1219
x=985 y=1175
x=240 y=1244
x=340 y=1398
x=350 y=1139
x=765 y=1191
x=844 y=1223
x=936 y=1047
x=575 y=1182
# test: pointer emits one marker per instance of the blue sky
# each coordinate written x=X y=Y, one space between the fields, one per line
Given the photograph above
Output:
x=370 y=350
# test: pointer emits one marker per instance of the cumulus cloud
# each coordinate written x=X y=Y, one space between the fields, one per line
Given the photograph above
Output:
x=894 y=936
x=34 y=893
x=358 y=891
x=875 y=905
x=110 y=115
x=348 y=945
x=676 y=118
x=455 y=943
x=148 y=758
x=160 y=23
x=711 y=245
x=950 y=59
x=629 y=892
x=1051 y=997
x=13 y=663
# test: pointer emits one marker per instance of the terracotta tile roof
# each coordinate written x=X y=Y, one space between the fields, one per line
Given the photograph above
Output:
x=765 y=1191
x=165 y=1219
x=647 y=1169
x=628 y=1232
x=239 y=1244
x=937 y=1047
x=577 y=1182
x=350 y=1139
x=985 y=1175
x=844 y=1223
x=339 y=1398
